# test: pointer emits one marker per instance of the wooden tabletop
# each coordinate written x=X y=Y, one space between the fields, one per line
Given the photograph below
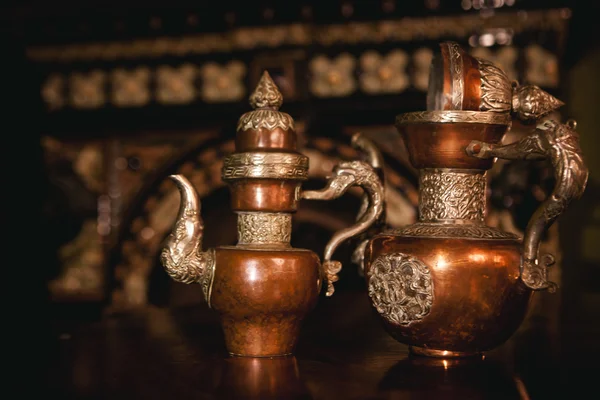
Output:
x=343 y=353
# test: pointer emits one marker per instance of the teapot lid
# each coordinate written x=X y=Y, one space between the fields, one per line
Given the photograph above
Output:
x=265 y=101
x=460 y=81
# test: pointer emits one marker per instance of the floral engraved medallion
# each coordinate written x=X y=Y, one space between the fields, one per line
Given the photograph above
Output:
x=400 y=288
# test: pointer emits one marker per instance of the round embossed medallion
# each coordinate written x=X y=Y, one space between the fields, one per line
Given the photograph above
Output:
x=400 y=288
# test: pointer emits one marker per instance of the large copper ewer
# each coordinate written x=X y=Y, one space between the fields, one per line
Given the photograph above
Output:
x=449 y=285
x=262 y=288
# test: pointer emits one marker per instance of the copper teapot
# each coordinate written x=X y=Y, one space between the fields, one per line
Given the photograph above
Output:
x=449 y=285
x=262 y=288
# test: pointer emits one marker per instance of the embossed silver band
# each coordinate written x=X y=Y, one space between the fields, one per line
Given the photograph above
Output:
x=260 y=228
x=453 y=116
x=451 y=195
x=456 y=68
x=462 y=231
x=265 y=119
x=496 y=89
x=265 y=165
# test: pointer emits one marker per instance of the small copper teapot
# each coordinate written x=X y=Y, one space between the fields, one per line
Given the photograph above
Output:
x=449 y=285
x=262 y=288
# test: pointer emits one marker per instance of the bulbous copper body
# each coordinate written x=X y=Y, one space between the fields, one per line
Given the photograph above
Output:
x=479 y=300
x=449 y=285
x=262 y=288
x=263 y=296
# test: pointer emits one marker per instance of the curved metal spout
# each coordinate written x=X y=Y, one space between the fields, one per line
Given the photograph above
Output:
x=182 y=256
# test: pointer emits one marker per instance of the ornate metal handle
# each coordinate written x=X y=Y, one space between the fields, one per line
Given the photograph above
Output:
x=560 y=144
x=346 y=175
x=375 y=159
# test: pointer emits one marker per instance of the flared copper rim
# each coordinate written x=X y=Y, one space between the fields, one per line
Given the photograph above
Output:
x=454 y=117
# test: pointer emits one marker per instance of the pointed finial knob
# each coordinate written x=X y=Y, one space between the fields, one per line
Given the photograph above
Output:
x=266 y=95
x=529 y=102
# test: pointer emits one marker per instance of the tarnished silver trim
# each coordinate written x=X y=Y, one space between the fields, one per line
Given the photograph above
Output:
x=265 y=165
x=453 y=116
x=264 y=228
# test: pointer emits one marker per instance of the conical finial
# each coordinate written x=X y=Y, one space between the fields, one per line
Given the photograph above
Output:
x=529 y=102
x=266 y=95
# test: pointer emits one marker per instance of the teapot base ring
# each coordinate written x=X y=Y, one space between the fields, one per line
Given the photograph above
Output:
x=422 y=351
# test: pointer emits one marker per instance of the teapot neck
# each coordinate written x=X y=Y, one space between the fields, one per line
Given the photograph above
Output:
x=452 y=195
x=264 y=229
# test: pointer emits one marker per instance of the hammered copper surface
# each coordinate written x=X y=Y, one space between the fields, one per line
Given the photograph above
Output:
x=267 y=195
x=262 y=297
x=261 y=139
x=456 y=80
x=262 y=288
x=443 y=145
x=471 y=82
x=478 y=298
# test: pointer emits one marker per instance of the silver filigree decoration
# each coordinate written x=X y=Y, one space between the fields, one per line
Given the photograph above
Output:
x=207 y=277
x=450 y=195
x=530 y=103
x=182 y=256
x=267 y=119
x=559 y=143
x=463 y=231
x=266 y=100
x=266 y=94
x=401 y=288
x=505 y=57
x=264 y=228
x=265 y=165
x=454 y=116
x=456 y=70
x=496 y=89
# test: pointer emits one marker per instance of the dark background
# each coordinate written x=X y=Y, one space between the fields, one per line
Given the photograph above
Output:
x=30 y=239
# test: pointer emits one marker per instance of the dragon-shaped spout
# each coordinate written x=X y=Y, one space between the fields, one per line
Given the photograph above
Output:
x=182 y=256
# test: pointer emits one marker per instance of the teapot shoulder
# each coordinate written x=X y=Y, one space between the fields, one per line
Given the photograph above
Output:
x=451 y=231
